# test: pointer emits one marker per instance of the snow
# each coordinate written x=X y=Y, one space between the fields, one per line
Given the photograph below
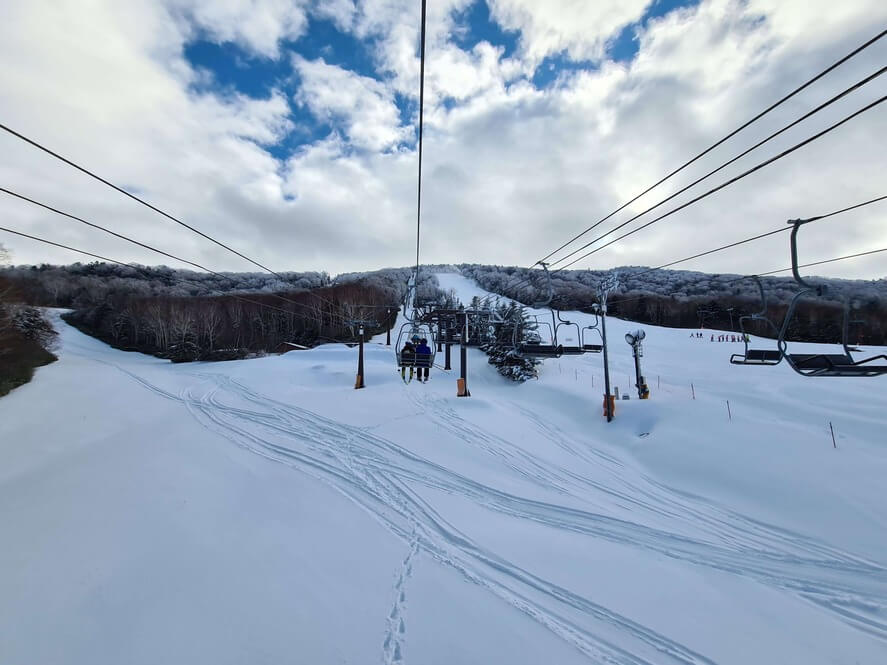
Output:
x=264 y=511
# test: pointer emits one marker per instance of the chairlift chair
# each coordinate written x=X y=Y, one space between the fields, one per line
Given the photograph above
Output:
x=592 y=347
x=419 y=360
x=536 y=348
x=757 y=356
x=589 y=346
x=823 y=364
x=572 y=349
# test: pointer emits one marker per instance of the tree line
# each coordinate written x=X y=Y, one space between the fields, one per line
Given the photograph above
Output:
x=684 y=299
x=26 y=337
x=226 y=327
x=172 y=313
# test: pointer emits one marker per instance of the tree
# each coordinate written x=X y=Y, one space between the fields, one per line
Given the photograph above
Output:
x=500 y=349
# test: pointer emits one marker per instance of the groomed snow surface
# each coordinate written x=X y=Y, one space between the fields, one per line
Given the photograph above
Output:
x=264 y=511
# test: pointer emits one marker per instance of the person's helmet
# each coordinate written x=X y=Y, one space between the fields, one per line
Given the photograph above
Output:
x=415 y=338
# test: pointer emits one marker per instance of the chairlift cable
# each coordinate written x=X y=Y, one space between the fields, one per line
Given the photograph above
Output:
x=136 y=198
x=747 y=240
x=751 y=239
x=140 y=269
x=757 y=237
x=421 y=123
x=757 y=145
x=148 y=247
x=731 y=181
x=819 y=263
x=760 y=115
x=761 y=274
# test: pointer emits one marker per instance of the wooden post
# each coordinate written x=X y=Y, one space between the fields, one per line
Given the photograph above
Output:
x=693 y=391
x=834 y=445
x=729 y=415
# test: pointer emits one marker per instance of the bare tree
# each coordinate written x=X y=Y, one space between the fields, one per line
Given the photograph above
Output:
x=210 y=322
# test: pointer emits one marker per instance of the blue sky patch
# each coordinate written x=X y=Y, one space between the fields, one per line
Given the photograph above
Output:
x=235 y=69
x=478 y=26
x=551 y=67
x=625 y=46
x=324 y=40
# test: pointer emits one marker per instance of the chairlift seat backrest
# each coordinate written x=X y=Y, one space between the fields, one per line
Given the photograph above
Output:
x=593 y=348
x=415 y=360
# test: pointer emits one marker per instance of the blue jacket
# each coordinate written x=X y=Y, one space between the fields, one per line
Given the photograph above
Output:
x=423 y=348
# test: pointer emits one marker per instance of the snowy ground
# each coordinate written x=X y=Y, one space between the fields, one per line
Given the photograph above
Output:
x=263 y=511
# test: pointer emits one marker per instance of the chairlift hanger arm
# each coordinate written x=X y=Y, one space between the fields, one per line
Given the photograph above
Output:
x=796 y=225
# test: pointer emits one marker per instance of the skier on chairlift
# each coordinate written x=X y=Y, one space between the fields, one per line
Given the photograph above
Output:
x=408 y=358
x=423 y=351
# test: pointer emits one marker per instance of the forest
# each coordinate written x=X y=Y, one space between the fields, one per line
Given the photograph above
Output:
x=685 y=299
x=185 y=315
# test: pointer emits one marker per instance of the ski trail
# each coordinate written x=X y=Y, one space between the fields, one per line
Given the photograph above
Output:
x=454 y=549
x=380 y=476
x=846 y=585
x=687 y=513
x=649 y=494
x=392 y=647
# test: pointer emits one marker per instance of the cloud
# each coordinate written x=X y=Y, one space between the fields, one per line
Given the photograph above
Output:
x=255 y=26
x=575 y=27
x=340 y=12
x=365 y=106
x=512 y=170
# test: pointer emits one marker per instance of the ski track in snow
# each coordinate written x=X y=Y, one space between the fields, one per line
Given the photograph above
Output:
x=383 y=478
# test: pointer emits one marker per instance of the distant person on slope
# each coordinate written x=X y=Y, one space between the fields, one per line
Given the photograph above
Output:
x=423 y=353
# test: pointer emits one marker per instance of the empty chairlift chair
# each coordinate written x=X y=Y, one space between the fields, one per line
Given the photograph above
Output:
x=535 y=347
x=823 y=364
x=576 y=349
x=757 y=356
x=834 y=364
x=593 y=342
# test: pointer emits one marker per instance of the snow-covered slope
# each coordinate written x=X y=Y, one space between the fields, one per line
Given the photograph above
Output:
x=263 y=511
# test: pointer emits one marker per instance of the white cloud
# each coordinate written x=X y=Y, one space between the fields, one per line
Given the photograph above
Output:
x=255 y=26
x=577 y=27
x=366 y=106
x=340 y=12
x=393 y=27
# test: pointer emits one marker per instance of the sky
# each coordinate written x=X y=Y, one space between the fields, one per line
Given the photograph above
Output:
x=287 y=129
